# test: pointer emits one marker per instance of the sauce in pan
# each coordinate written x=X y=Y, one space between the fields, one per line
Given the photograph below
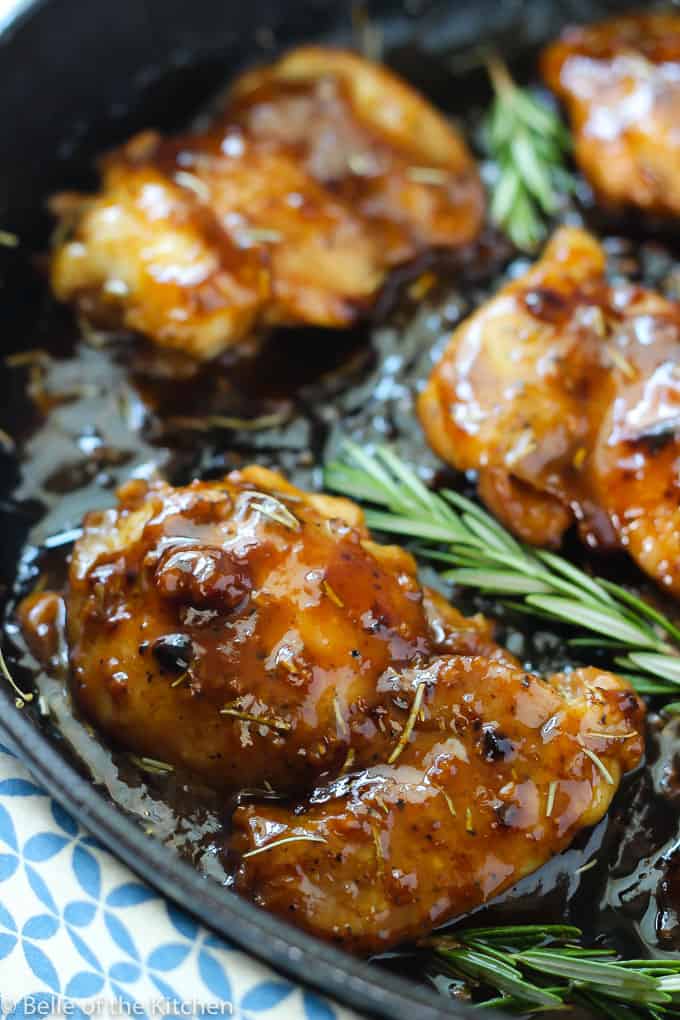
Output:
x=83 y=411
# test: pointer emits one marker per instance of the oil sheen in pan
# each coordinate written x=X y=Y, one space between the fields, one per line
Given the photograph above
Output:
x=89 y=410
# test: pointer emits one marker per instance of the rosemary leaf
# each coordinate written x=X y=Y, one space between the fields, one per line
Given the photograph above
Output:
x=486 y=534
x=408 y=526
x=642 y=607
x=296 y=838
x=660 y=665
x=415 y=487
x=352 y=482
x=620 y=984
x=374 y=470
x=467 y=506
x=578 y=577
x=589 y=641
x=532 y=171
x=505 y=195
x=496 y=582
x=594 y=619
x=514 y=932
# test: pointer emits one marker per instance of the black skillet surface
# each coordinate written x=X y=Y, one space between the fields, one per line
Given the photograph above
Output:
x=77 y=77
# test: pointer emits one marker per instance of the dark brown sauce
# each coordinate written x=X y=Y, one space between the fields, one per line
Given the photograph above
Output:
x=95 y=409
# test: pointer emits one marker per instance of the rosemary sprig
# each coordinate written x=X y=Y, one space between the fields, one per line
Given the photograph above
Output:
x=481 y=554
x=508 y=961
x=528 y=142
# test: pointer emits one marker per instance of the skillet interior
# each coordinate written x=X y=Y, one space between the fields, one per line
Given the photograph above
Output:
x=91 y=75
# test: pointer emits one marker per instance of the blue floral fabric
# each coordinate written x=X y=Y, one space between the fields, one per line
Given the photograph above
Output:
x=81 y=936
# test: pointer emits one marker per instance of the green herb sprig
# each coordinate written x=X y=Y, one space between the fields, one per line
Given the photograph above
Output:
x=528 y=142
x=481 y=554
x=508 y=959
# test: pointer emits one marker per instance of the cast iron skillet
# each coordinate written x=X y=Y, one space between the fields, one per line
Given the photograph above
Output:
x=76 y=77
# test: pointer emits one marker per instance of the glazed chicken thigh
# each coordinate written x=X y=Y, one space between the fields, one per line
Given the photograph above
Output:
x=620 y=81
x=563 y=392
x=320 y=174
x=240 y=629
x=253 y=634
x=501 y=771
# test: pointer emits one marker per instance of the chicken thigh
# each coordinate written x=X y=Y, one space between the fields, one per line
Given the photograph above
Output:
x=563 y=392
x=500 y=772
x=241 y=629
x=320 y=174
x=620 y=81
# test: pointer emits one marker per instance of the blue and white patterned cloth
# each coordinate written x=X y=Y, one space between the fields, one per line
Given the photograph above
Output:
x=81 y=936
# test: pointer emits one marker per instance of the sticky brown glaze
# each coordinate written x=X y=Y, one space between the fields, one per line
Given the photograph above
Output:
x=620 y=81
x=500 y=772
x=245 y=629
x=564 y=393
x=321 y=173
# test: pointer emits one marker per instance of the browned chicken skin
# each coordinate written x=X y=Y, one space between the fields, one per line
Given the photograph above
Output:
x=321 y=173
x=255 y=635
x=564 y=393
x=620 y=81
x=501 y=771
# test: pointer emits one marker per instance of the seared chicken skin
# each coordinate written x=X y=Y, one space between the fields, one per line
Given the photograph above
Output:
x=255 y=635
x=500 y=772
x=241 y=628
x=564 y=393
x=320 y=174
x=620 y=81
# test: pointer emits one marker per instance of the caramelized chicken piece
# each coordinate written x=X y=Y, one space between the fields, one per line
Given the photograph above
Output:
x=564 y=393
x=500 y=772
x=620 y=81
x=321 y=173
x=244 y=629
